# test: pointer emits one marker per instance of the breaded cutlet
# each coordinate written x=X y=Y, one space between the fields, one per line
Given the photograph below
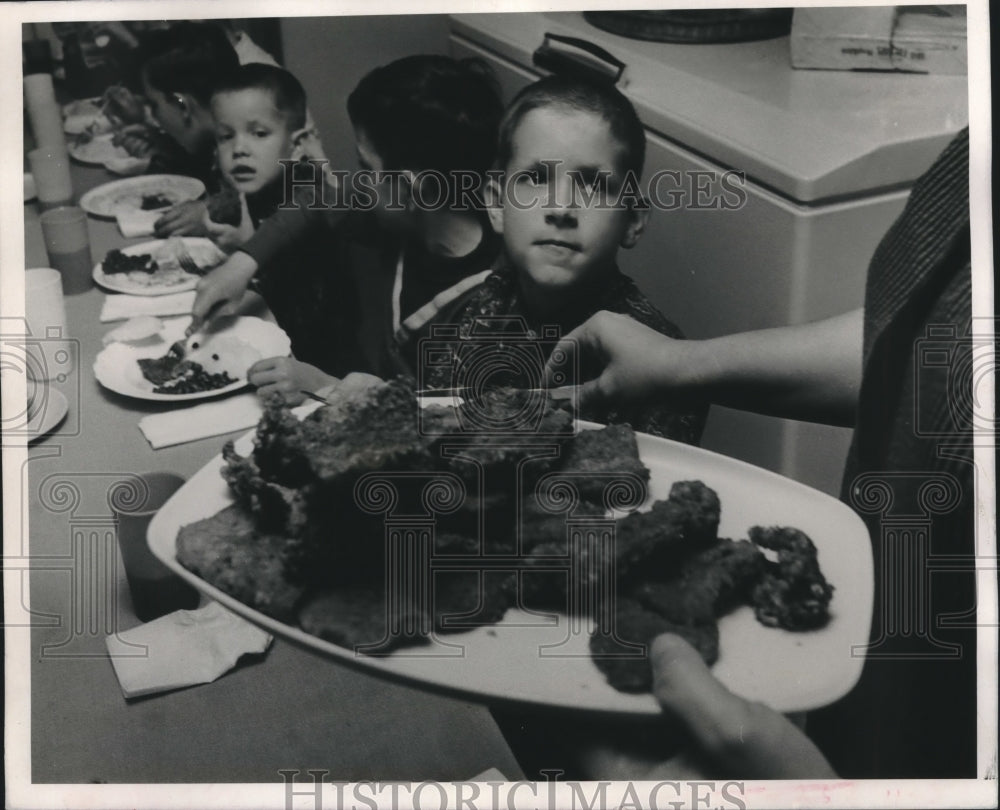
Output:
x=227 y=551
x=596 y=457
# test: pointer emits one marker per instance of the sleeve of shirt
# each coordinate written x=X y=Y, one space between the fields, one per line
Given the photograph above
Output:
x=285 y=227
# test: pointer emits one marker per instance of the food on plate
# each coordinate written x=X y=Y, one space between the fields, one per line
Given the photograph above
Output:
x=215 y=362
x=511 y=535
x=225 y=207
x=134 y=329
x=793 y=593
x=116 y=262
x=188 y=377
x=155 y=201
x=596 y=454
x=159 y=265
x=687 y=522
x=620 y=650
x=227 y=549
x=120 y=104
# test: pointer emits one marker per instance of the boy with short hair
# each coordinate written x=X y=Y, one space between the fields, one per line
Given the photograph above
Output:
x=565 y=200
x=259 y=114
x=420 y=114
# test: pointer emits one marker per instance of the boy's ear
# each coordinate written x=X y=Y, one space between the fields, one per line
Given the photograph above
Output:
x=638 y=217
x=299 y=135
x=494 y=204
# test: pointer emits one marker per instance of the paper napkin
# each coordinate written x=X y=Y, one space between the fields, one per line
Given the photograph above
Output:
x=137 y=223
x=210 y=419
x=122 y=307
x=184 y=648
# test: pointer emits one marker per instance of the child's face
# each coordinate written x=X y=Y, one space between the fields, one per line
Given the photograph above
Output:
x=550 y=231
x=252 y=135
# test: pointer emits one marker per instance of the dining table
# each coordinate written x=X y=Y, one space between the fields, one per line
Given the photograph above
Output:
x=289 y=709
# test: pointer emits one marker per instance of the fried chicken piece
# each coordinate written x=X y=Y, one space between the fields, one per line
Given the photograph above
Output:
x=279 y=509
x=357 y=617
x=650 y=544
x=626 y=669
x=596 y=456
x=279 y=446
x=707 y=585
x=489 y=517
x=792 y=593
x=227 y=551
x=539 y=526
x=575 y=559
x=464 y=600
x=378 y=433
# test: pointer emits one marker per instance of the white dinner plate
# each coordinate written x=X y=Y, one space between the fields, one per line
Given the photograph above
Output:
x=126 y=195
x=170 y=278
x=117 y=367
x=97 y=150
x=48 y=416
x=508 y=661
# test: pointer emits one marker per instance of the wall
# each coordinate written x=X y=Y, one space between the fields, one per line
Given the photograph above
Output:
x=329 y=55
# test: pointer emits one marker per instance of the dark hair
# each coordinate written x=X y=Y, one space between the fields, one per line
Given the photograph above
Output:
x=187 y=58
x=285 y=89
x=430 y=112
x=599 y=97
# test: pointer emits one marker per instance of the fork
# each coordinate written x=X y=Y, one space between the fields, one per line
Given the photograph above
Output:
x=183 y=256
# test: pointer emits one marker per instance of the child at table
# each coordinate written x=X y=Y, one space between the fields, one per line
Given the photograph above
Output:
x=418 y=116
x=179 y=69
x=260 y=113
x=570 y=154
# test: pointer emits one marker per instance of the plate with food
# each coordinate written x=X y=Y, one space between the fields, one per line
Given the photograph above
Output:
x=155 y=363
x=85 y=115
x=151 y=192
x=96 y=150
x=533 y=567
x=157 y=267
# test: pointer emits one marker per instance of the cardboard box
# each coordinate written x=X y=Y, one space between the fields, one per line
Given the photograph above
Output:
x=922 y=39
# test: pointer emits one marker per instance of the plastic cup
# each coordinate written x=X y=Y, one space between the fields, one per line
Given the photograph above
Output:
x=67 y=242
x=50 y=170
x=45 y=311
x=156 y=590
x=44 y=111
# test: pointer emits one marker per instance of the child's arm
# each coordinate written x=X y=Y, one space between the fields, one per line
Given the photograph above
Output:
x=810 y=372
x=289 y=377
x=226 y=284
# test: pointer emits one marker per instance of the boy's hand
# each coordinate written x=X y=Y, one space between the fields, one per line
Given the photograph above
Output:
x=221 y=290
x=184 y=219
x=621 y=360
x=139 y=140
x=228 y=237
x=288 y=377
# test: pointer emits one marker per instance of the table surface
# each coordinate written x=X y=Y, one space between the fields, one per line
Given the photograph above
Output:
x=288 y=709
